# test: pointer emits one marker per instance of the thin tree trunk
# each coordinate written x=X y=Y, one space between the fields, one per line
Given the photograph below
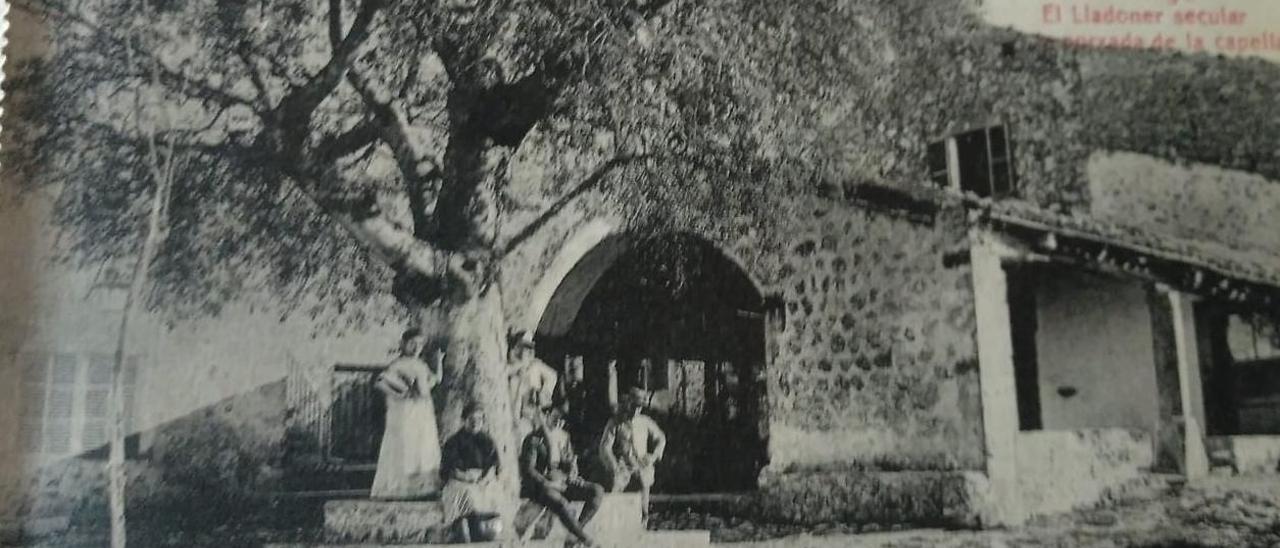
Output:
x=115 y=462
x=162 y=174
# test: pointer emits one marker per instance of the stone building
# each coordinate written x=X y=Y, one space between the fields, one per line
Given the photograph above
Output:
x=1030 y=277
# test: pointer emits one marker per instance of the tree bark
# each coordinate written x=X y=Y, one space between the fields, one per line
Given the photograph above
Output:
x=475 y=370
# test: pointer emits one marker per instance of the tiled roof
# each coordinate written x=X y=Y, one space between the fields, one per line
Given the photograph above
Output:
x=1251 y=265
x=1256 y=266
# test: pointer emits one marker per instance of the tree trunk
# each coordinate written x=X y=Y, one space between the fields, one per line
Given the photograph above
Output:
x=116 y=473
x=469 y=316
x=475 y=370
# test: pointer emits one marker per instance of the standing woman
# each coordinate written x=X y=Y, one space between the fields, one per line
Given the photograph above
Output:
x=409 y=460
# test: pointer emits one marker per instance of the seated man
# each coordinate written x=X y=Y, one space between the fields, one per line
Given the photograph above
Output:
x=630 y=447
x=549 y=474
x=469 y=468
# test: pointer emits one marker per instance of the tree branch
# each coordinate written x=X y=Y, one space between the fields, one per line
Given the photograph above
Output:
x=360 y=218
x=264 y=96
x=198 y=88
x=411 y=157
x=343 y=144
x=201 y=89
x=112 y=134
x=335 y=23
x=299 y=104
x=417 y=189
x=419 y=172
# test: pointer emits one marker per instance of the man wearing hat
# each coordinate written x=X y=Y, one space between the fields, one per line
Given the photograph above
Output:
x=631 y=445
x=532 y=383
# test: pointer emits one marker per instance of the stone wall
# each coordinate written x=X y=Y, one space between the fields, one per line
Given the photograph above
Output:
x=873 y=371
x=918 y=498
x=876 y=364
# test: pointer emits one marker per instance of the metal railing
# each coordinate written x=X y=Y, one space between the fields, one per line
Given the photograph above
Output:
x=358 y=415
x=335 y=415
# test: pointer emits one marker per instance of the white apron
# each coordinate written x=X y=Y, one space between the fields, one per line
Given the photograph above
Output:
x=409 y=460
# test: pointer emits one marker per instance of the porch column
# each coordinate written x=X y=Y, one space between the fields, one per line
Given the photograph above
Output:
x=1190 y=384
x=996 y=375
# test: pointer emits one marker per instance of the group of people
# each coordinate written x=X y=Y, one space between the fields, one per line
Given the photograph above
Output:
x=412 y=464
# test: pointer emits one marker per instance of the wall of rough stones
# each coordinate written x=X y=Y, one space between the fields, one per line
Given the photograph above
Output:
x=874 y=399
x=872 y=382
x=875 y=367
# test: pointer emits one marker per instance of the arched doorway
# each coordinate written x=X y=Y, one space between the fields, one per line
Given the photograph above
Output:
x=681 y=320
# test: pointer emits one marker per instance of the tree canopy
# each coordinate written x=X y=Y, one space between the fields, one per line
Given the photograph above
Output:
x=343 y=149
x=395 y=123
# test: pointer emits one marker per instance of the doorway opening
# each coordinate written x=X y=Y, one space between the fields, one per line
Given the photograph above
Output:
x=676 y=317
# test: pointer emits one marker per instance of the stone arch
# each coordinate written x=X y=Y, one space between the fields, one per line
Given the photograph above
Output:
x=586 y=240
x=580 y=263
x=694 y=338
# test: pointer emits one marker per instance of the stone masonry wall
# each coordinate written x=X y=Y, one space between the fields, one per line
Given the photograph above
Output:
x=876 y=367
x=872 y=382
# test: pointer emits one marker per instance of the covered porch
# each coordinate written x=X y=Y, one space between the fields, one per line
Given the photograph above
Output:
x=1115 y=362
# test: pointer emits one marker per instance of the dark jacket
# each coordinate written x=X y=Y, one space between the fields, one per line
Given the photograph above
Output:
x=536 y=465
x=467 y=451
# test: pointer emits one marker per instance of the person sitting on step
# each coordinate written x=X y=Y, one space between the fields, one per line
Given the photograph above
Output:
x=631 y=445
x=469 y=467
x=549 y=474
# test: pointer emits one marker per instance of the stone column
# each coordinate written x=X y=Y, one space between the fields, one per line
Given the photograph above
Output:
x=996 y=375
x=1190 y=384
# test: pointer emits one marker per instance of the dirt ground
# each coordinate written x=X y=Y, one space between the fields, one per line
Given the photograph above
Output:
x=1233 y=512
x=1219 y=512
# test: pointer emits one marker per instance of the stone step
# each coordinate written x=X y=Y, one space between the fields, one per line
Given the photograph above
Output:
x=420 y=521
x=648 y=539
x=363 y=520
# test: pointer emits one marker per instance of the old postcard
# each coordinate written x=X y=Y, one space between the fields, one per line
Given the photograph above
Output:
x=640 y=273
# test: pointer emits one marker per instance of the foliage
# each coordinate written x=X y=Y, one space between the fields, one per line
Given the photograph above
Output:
x=339 y=150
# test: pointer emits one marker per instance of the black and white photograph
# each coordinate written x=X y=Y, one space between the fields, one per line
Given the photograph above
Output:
x=640 y=273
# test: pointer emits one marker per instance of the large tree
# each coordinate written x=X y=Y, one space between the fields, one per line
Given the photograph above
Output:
x=337 y=150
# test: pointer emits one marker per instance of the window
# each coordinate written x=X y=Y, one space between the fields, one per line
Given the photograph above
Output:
x=977 y=161
x=1253 y=338
x=67 y=401
x=1240 y=361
